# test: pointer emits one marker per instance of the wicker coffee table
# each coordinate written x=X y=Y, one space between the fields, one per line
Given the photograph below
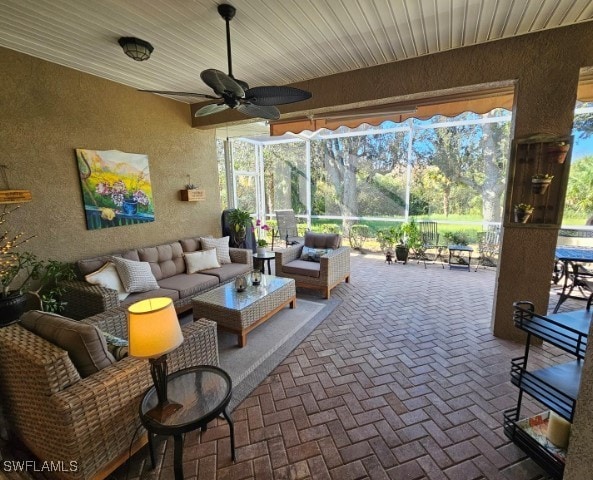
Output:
x=241 y=312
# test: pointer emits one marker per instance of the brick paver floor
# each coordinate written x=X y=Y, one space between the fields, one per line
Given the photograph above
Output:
x=403 y=381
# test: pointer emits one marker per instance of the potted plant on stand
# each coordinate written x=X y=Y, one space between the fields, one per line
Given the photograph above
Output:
x=239 y=221
x=261 y=231
x=523 y=212
x=540 y=183
x=557 y=151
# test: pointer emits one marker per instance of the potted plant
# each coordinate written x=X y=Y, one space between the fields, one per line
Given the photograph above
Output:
x=556 y=151
x=261 y=230
x=540 y=183
x=239 y=221
x=411 y=239
x=523 y=212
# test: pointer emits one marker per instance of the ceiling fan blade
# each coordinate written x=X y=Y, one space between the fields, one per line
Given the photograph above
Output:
x=184 y=94
x=275 y=95
x=268 y=112
x=221 y=83
x=210 y=109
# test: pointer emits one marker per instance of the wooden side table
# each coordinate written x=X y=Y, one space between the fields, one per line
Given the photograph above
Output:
x=460 y=261
x=204 y=393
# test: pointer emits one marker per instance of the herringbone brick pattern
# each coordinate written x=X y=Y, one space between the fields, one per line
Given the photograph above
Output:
x=403 y=381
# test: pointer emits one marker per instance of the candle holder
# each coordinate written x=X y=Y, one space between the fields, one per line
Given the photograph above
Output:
x=240 y=283
x=256 y=277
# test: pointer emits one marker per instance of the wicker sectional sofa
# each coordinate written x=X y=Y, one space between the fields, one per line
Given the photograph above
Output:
x=168 y=267
x=63 y=416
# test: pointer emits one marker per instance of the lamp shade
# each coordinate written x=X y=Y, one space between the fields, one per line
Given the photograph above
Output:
x=153 y=328
x=136 y=48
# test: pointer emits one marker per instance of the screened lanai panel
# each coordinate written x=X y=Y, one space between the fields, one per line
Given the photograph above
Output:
x=285 y=177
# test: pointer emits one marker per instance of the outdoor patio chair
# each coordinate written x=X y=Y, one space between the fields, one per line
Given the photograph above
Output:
x=320 y=263
x=287 y=228
x=430 y=241
x=488 y=247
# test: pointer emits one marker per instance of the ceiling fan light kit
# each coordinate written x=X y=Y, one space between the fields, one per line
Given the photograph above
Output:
x=136 y=48
x=236 y=94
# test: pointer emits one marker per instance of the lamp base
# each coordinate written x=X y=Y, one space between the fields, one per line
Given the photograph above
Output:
x=160 y=413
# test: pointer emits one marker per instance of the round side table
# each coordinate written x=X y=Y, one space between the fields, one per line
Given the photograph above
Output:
x=204 y=393
x=263 y=259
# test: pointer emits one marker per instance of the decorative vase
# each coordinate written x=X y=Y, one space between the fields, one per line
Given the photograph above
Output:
x=522 y=216
x=260 y=251
x=539 y=186
x=12 y=307
x=130 y=207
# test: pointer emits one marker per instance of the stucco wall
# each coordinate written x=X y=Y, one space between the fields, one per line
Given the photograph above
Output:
x=48 y=110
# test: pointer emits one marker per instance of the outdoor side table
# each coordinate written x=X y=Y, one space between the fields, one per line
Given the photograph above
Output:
x=204 y=393
x=458 y=260
x=263 y=259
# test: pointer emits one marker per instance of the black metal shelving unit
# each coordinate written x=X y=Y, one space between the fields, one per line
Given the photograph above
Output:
x=556 y=386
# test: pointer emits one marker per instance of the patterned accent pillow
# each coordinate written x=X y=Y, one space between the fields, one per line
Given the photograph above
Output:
x=313 y=254
x=107 y=277
x=118 y=347
x=221 y=245
x=135 y=276
x=201 y=260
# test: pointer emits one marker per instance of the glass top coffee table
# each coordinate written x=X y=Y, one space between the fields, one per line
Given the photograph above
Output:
x=241 y=312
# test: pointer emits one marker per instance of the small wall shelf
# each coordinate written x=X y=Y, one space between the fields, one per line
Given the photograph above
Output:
x=193 y=195
x=536 y=156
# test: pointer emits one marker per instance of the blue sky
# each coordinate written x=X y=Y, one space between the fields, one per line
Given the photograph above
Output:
x=581 y=147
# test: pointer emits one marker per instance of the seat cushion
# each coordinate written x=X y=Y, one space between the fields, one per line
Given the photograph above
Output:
x=302 y=267
x=313 y=254
x=85 y=344
x=165 y=260
x=189 y=284
x=323 y=240
x=228 y=271
x=160 y=292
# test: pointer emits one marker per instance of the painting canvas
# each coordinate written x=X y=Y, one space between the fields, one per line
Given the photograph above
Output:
x=116 y=188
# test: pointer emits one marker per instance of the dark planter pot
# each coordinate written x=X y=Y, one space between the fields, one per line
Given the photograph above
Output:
x=12 y=307
x=238 y=238
x=521 y=216
x=557 y=153
x=401 y=253
x=540 y=187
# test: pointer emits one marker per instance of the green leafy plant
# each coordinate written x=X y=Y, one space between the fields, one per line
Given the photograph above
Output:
x=388 y=238
x=524 y=207
x=411 y=235
x=457 y=238
x=239 y=219
x=542 y=176
x=359 y=234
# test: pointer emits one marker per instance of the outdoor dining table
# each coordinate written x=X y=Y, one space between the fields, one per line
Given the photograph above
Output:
x=572 y=259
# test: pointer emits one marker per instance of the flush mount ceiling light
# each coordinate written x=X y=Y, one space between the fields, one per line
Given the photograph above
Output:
x=135 y=48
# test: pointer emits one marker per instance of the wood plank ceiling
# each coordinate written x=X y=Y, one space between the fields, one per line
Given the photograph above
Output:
x=275 y=42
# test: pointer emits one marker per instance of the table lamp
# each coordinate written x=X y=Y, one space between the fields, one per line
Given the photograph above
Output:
x=154 y=331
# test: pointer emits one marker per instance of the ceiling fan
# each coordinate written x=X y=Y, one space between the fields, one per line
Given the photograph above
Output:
x=236 y=94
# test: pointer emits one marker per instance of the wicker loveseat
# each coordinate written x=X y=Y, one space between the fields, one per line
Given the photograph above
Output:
x=168 y=267
x=91 y=421
x=322 y=273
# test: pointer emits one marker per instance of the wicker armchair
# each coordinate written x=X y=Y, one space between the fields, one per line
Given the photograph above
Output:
x=92 y=421
x=332 y=268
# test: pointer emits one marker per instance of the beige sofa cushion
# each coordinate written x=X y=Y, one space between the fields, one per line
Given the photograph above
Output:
x=108 y=277
x=161 y=292
x=84 y=343
x=165 y=260
x=302 y=267
x=229 y=271
x=200 y=260
x=188 y=285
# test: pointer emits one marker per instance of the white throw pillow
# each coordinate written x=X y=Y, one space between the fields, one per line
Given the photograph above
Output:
x=221 y=245
x=135 y=276
x=200 y=260
x=108 y=277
